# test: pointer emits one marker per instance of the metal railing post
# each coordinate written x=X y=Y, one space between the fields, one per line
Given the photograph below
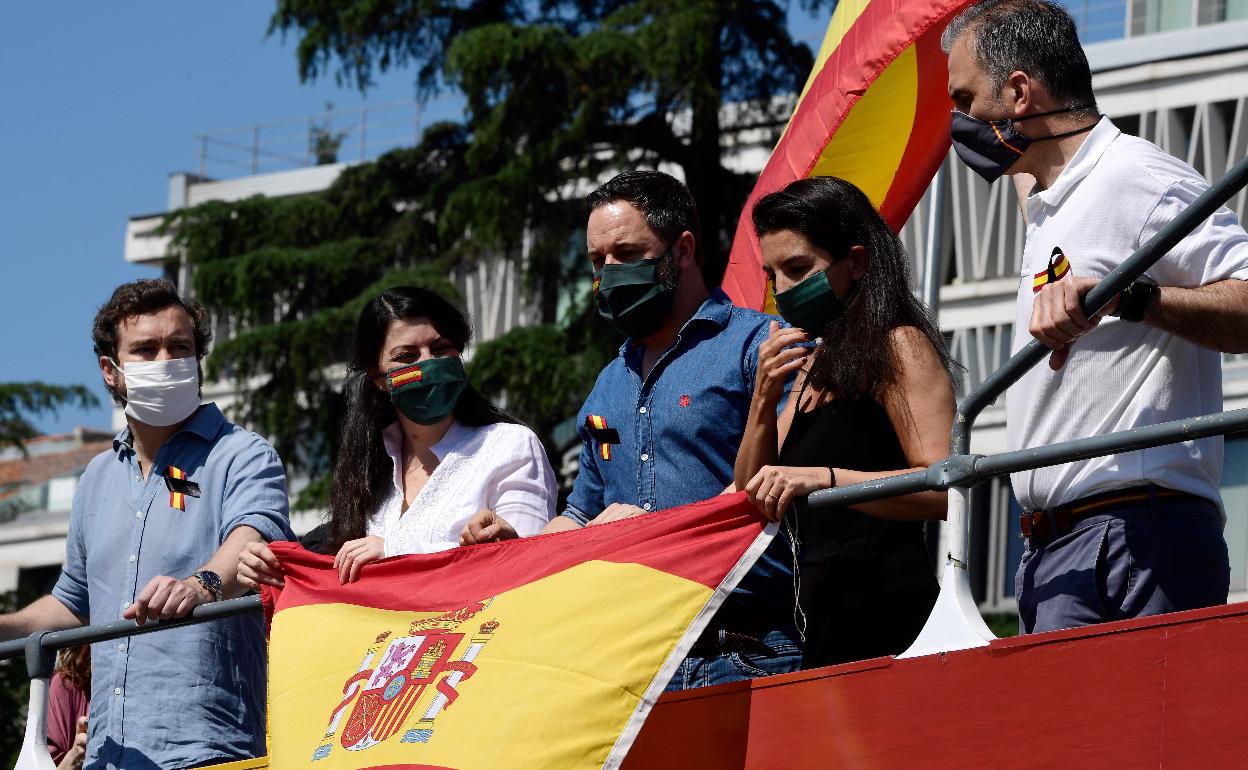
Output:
x=955 y=622
x=39 y=663
x=935 y=239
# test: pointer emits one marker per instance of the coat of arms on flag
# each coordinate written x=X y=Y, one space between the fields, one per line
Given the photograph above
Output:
x=543 y=652
x=399 y=674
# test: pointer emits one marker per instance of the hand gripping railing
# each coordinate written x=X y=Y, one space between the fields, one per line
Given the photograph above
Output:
x=40 y=651
x=955 y=622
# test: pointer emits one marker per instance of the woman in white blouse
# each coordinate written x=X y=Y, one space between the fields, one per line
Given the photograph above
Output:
x=426 y=463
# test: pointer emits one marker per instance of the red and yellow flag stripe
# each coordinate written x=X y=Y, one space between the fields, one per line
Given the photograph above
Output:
x=405 y=375
x=875 y=111
x=1058 y=267
x=604 y=448
x=177 y=499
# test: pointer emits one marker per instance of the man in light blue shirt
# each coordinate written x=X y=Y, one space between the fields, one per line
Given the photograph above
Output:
x=156 y=528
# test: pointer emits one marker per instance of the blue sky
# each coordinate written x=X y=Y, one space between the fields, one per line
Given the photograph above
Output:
x=101 y=104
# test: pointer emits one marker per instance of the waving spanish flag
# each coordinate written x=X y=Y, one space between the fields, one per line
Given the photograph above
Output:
x=875 y=111
x=545 y=652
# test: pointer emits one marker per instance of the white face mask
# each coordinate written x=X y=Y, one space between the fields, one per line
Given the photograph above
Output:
x=161 y=393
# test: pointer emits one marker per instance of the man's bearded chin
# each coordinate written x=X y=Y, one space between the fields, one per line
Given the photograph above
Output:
x=118 y=392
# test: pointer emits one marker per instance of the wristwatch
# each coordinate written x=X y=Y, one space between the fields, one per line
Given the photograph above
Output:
x=211 y=581
x=1134 y=301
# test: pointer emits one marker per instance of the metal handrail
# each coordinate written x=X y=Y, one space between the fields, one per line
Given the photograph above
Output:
x=1101 y=295
x=952 y=471
x=51 y=641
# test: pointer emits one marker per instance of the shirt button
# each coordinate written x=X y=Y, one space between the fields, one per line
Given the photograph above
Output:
x=121 y=647
x=116 y=691
x=644 y=457
x=133 y=557
x=138 y=478
x=138 y=514
x=646 y=506
x=642 y=410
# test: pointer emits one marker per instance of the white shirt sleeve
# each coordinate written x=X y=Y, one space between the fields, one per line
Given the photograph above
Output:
x=523 y=491
x=1214 y=251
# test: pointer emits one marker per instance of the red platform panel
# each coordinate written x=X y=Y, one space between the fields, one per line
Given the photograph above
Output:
x=1163 y=692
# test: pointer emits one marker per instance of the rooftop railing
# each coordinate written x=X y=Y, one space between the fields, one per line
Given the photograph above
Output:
x=955 y=622
x=332 y=136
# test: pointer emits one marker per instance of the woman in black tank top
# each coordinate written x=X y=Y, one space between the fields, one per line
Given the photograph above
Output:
x=872 y=398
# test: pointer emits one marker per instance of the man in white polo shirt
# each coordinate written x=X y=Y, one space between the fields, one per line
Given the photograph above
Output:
x=1137 y=533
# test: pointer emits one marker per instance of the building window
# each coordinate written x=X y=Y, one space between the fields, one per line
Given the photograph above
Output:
x=1235 y=499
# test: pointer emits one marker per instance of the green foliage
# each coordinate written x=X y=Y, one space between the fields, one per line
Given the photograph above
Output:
x=559 y=90
x=14 y=695
x=289 y=277
x=20 y=401
x=541 y=374
x=1002 y=624
x=558 y=93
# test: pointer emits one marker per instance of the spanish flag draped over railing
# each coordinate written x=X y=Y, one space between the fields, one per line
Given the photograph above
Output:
x=874 y=111
x=545 y=652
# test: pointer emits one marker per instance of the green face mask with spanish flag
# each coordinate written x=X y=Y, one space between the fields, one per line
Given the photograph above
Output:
x=426 y=392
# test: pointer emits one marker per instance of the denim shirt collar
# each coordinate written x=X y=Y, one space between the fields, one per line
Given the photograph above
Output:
x=205 y=423
x=717 y=310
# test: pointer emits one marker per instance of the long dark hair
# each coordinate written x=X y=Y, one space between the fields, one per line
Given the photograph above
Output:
x=362 y=476
x=855 y=357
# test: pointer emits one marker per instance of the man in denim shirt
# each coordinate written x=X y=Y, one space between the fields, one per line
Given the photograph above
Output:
x=156 y=528
x=662 y=426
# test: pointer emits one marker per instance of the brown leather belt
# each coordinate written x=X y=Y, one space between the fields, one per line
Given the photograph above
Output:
x=1063 y=518
x=710 y=644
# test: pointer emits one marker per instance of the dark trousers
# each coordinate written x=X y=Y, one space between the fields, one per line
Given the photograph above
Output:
x=1138 y=559
x=865 y=597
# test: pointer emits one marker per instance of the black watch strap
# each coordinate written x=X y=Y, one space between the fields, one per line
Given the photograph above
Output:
x=1134 y=301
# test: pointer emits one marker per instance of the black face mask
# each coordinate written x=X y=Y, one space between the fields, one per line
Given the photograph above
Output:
x=990 y=147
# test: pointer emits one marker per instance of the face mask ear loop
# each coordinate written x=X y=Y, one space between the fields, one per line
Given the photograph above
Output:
x=1063 y=135
x=1077 y=108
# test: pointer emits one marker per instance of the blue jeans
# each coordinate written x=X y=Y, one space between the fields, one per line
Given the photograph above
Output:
x=1139 y=559
x=700 y=671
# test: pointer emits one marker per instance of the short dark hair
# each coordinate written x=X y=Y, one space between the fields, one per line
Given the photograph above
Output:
x=1034 y=36
x=147 y=295
x=667 y=205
